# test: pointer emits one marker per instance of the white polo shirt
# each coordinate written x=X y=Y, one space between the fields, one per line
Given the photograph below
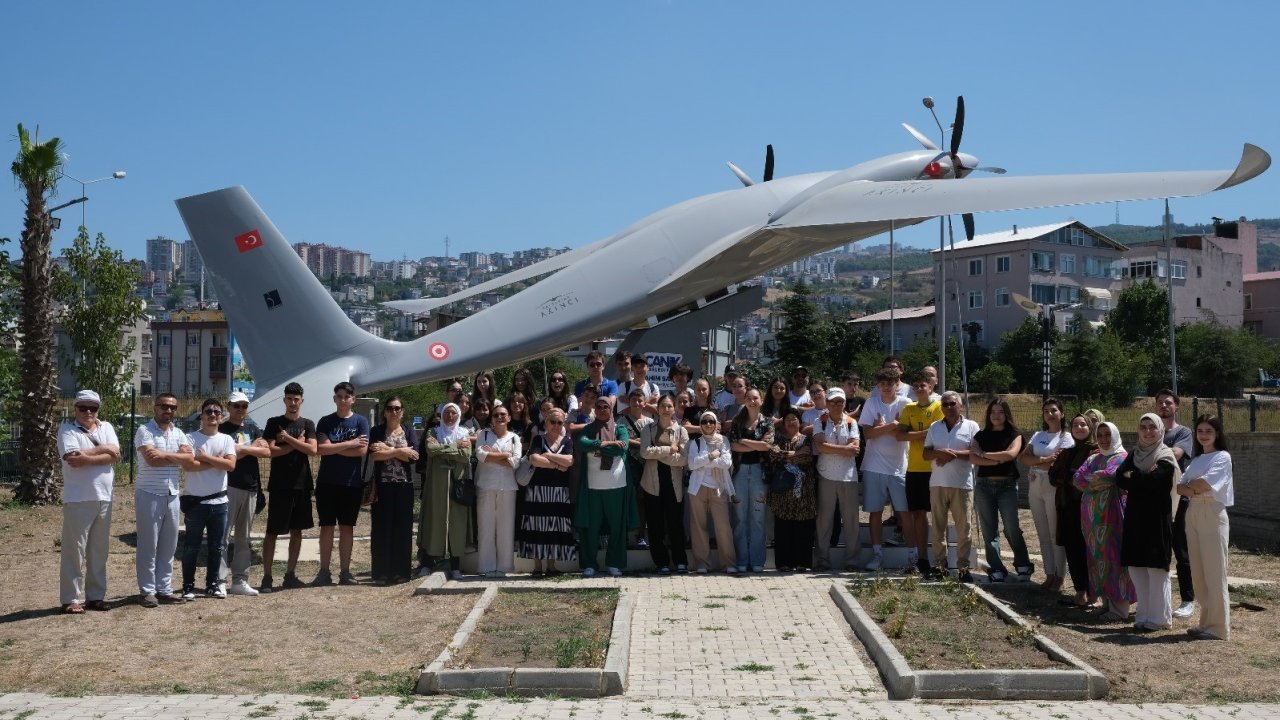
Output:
x=957 y=473
x=91 y=482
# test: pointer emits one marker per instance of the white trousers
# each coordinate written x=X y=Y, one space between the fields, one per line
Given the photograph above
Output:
x=1207 y=534
x=1152 y=586
x=1044 y=511
x=496 y=530
x=157 y=517
x=86 y=534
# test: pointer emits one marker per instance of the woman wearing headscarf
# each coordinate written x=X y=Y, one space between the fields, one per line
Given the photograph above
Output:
x=545 y=531
x=604 y=497
x=1149 y=475
x=1208 y=482
x=1102 y=523
x=498 y=451
x=664 y=445
x=710 y=489
x=392 y=452
x=444 y=525
x=1067 y=502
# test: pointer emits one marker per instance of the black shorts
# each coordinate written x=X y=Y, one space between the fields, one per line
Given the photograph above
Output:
x=288 y=509
x=338 y=505
x=918 y=491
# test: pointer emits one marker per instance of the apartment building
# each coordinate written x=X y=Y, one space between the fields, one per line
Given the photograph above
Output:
x=1208 y=271
x=900 y=327
x=191 y=354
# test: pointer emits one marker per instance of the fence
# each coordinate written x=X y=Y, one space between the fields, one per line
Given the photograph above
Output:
x=1255 y=413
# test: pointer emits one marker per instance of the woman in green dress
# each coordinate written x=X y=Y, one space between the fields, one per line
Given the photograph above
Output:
x=444 y=525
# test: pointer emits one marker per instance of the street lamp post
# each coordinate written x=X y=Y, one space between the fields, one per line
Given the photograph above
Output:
x=117 y=175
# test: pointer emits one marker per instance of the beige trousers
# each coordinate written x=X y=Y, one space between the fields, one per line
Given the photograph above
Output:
x=845 y=494
x=958 y=504
x=86 y=535
x=707 y=500
x=1207 y=533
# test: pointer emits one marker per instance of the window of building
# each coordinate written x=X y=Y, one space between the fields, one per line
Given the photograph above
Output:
x=193 y=339
x=975 y=266
x=1179 y=269
x=975 y=299
x=1002 y=297
x=1197 y=302
x=162 y=362
x=1068 y=294
x=1248 y=301
x=1002 y=264
x=164 y=339
x=1044 y=294
x=1078 y=236
x=1067 y=263
x=1228 y=283
x=193 y=363
x=1041 y=261
x=1199 y=272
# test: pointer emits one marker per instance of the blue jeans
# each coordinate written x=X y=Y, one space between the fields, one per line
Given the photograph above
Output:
x=749 y=515
x=204 y=520
x=999 y=496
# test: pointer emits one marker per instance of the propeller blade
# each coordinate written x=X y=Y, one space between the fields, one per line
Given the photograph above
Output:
x=768 y=163
x=996 y=170
x=919 y=136
x=957 y=130
x=745 y=178
x=968 y=225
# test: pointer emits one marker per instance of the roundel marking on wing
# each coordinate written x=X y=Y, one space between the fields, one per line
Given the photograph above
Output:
x=438 y=351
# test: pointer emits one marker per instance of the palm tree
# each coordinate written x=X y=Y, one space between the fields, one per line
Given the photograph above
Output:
x=37 y=169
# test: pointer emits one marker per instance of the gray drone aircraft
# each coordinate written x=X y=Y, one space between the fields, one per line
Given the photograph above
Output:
x=291 y=329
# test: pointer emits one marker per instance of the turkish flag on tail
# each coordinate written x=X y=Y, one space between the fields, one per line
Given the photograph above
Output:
x=249 y=241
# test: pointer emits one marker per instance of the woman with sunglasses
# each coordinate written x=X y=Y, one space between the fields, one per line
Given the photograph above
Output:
x=545 y=530
x=560 y=394
x=710 y=487
x=391 y=450
x=445 y=457
x=499 y=451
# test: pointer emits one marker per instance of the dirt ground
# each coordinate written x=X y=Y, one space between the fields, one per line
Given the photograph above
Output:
x=945 y=626
x=543 y=629
x=331 y=641
x=1168 y=666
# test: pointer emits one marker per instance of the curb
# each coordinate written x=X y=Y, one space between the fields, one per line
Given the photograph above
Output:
x=1082 y=682
x=432 y=583
x=437 y=678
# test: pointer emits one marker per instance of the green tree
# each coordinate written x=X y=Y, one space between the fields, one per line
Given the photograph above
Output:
x=801 y=340
x=992 y=379
x=99 y=308
x=1218 y=361
x=37 y=168
x=1140 y=319
x=1022 y=350
x=1095 y=367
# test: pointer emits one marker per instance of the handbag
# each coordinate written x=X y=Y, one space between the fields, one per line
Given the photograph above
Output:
x=462 y=489
x=524 y=472
x=370 y=494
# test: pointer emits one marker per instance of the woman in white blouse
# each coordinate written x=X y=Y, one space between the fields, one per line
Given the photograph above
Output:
x=1039 y=456
x=498 y=452
x=710 y=488
x=1207 y=482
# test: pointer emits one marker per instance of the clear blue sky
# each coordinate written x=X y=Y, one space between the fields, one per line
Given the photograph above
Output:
x=518 y=124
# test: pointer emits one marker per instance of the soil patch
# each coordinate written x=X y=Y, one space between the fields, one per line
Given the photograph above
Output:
x=946 y=626
x=333 y=641
x=542 y=629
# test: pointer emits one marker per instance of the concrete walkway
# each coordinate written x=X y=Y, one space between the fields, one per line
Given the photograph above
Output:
x=702 y=646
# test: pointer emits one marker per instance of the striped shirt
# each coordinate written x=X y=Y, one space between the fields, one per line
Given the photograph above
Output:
x=161 y=480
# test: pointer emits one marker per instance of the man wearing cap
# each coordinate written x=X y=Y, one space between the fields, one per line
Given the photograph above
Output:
x=162 y=449
x=89 y=449
x=244 y=483
x=798 y=393
x=836 y=439
x=725 y=397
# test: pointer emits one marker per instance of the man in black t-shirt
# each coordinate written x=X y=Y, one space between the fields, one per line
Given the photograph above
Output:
x=293 y=442
x=243 y=488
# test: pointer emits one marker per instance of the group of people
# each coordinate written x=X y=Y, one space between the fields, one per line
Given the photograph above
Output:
x=552 y=476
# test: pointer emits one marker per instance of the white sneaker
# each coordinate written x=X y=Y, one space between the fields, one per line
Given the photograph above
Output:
x=242 y=587
x=1185 y=610
x=877 y=559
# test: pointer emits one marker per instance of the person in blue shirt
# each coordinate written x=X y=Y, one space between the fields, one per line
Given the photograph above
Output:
x=343 y=441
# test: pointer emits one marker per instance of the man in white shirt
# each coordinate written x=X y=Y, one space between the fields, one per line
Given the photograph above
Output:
x=836 y=440
x=639 y=380
x=946 y=445
x=798 y=393
x=725 y=397
x=162 y=450
x=89 y=449
x=884 y=464
x=893 y=363
x=205 y=504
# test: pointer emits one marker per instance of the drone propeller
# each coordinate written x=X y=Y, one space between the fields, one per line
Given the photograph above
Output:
x=745 y=179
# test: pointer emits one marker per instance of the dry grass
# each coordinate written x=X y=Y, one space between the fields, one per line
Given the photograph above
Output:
x=331 y=641
x=543 y=629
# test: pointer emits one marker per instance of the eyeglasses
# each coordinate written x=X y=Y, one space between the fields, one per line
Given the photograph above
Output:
x=87 y=408
x=707 y=422
x=239 y=406
x=395 y=408
x=555 y=380
x=212 y=412
x=170 y=408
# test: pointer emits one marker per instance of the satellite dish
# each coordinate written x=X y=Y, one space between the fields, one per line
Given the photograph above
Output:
x=1025 y=303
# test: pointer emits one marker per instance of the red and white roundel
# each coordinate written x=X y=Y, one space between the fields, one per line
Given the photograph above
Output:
x=438 y=351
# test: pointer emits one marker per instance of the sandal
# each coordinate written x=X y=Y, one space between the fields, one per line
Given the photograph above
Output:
x=73 y=608
x=97 y=605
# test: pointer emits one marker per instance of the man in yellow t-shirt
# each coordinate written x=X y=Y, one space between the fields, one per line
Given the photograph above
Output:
x=913 y=424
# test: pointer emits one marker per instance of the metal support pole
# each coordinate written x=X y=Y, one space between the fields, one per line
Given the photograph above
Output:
x=1253 y=413
x=893 y=298
x=1168 y=261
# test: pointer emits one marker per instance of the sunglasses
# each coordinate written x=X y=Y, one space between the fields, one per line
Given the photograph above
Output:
x=212 y=412
x=557 y=379
x=87 y=408
x=707 y=422
x=950 y=404
x=167 y=407
x=239 y=406
x=395 y=408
